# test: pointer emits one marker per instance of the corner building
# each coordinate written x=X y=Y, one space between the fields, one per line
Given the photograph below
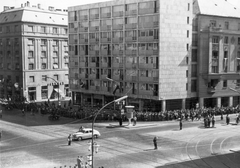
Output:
x=144 y=46
x=33 y=46
x=216 y=51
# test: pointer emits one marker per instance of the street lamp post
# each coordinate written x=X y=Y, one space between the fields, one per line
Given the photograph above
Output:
x=58 y=87
x=95 y=116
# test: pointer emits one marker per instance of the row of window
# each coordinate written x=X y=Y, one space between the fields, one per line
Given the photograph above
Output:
x=34 y=28
x=73 y=38
x=116 y=11
x=226 y=25
x=216 y=40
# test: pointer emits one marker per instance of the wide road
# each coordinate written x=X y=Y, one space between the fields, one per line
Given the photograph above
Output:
x=35 y=142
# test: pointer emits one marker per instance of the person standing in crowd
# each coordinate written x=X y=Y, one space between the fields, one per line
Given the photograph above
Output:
x=155 y=143
x=180 y=123
x=80 y=162
x=227 y=119
x=134 y=120
x=213 y=121
x=69 y=139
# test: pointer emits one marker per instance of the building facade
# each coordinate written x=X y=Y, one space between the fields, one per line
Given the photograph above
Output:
x=216 y=51
x=33 y=53
x=142 y=46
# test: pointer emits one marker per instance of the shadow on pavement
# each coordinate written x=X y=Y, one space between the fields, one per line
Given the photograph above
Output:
x=15 y=116
x=216 y=161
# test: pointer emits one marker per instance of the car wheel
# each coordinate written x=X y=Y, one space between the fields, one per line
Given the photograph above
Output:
x=95 y=136
x=79 y=138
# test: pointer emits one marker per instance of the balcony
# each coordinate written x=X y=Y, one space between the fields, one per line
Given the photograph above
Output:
x=81 y=76
x=83 y=17
x=117 y=52
x=105 y=40
x=94 y=28
x=106 y=15
x=148 y=25
x=106 y=28
x=92 y=76
x=148 y=52
x=131 y=12
x=131 y=52
x=105 y=52
x=83 y=41
x=92 y=65
x=144 y=79
x=73 y=30
x=93 y=41
x=146 y=39
x=94 y=53
x=94 y=16
x=129 y=39
x=118 y=27
x=83 y=29
x=81 y=64
x=131 y=26
x=211 y=90
x=146 y=11
x=116 y=77
x=117 y=40
x=104 y=65
x=118 y=14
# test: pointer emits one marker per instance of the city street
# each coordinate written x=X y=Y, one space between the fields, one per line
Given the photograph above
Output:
x=35 y=142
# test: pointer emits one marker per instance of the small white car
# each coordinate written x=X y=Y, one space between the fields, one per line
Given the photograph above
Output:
x=85 y=133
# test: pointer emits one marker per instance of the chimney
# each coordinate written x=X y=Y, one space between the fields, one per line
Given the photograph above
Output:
x=28 y=4
x=21 y=5
x=39 y=6
x=5 y=8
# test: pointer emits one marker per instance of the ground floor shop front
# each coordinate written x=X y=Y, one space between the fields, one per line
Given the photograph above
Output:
x=79 y=98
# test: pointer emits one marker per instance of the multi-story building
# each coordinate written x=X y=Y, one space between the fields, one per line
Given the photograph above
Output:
x=144 y=46
x=33 y=53
x=216 y=51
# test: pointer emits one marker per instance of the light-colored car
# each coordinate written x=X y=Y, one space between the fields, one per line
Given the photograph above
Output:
x=85 y=133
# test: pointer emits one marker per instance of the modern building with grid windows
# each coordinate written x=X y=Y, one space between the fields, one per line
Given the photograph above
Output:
x=142 y=46
x=33 y=53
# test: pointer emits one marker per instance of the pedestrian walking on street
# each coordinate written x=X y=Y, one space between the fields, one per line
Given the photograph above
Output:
x=227 y=119
x=23 y=112
x=155 y=143
x=69 y=139
x=180 y=124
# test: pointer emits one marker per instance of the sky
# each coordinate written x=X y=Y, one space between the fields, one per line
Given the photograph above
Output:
x=64 y=4
x=57 y=4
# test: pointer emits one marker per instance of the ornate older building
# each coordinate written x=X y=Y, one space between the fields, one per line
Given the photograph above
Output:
x=33 y=53
x=216 y=52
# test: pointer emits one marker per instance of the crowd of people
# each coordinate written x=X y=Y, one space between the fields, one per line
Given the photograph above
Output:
x=109 y=113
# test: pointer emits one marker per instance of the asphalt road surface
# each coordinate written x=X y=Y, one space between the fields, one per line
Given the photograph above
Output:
x=35 y=142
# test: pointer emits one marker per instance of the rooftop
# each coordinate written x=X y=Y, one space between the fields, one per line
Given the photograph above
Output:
x=34 y=14
x=218 y=8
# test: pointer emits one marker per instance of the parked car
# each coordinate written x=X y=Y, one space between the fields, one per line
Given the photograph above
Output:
x=85 y=133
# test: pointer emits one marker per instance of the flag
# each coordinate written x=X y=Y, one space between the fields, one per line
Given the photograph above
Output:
x=116 y=88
